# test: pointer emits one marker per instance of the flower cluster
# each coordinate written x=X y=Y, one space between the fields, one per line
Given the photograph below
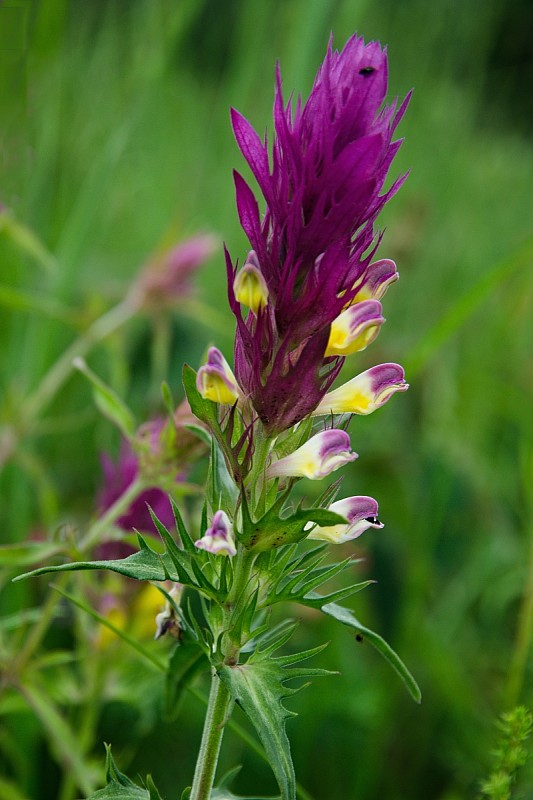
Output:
x=309 y=293
x=310 y=287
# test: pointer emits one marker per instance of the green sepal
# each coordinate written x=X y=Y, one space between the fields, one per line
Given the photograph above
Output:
x=258 y=687
x=273 y=530
x=120 y=787
x=346 y=616
x=108 y=401
x=205 y=410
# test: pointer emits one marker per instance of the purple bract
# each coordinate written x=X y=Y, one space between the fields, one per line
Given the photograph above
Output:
x=314 y=244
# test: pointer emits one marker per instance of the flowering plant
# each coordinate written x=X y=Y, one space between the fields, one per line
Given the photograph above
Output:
x=308 y=296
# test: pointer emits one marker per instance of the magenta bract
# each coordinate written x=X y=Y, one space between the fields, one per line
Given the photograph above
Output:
x=322 y=186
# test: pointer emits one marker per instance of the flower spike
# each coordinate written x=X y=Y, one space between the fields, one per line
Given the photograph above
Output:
x=218 y=539
x=364 y=393
x=317 y=458
x=323 y=188
x=361 y=513
x=215 y=380
x=355 y=328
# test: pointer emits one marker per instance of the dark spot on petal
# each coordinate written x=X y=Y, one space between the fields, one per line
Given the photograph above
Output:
x=366 y=71
x=373 y=520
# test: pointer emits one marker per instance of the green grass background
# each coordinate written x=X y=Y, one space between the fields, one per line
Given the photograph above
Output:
x=115 y=139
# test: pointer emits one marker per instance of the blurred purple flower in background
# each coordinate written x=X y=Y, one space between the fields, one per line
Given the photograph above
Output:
x=166 y=278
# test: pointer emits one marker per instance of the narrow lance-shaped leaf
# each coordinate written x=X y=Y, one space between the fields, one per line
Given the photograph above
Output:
x=347 y=617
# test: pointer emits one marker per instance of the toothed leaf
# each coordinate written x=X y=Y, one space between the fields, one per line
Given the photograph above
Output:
x=258 y=687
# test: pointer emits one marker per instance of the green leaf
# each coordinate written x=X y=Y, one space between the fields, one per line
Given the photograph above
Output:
x=258 y=687
x=146 y=565
x=108 y=401
x=25 y=553
x=221 y=489
x=347 y=617
x=187 y=660
x=273 y=531
x=120 y=787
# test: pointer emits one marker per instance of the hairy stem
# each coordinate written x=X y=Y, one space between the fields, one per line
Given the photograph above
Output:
x=217 y=712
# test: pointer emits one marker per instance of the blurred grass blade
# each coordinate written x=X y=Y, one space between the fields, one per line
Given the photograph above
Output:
x=9 y=791
x=62 y=737
x=27 y=241
x=131 y=640
x=459 y=312
x=108 y=401
x=18 y=300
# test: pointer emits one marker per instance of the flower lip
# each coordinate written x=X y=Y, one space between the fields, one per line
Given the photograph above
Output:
x=355 y=328
x=218 y=539
x=366 y=392
x=360 y=512
x=322 y=454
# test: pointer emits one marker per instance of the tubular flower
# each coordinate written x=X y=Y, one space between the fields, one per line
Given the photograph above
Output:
x=317 y=458
x=218 y=539
x=361 y=513
x=364 y=393
x=215 y=380
x=323 y=189
x=250 y=287
x=376 y=280
x=355 y=328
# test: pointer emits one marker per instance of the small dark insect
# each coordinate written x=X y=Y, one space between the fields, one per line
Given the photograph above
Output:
x=365 y=71
x=358 y=637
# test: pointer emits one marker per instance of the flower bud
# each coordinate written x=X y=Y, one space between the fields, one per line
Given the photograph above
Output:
x=361 y=513
x=317 y=458
x=250 y=286
x=167 y=621
x=364 y=393
x=355 y=328
x=215 y=380
x=218 y=539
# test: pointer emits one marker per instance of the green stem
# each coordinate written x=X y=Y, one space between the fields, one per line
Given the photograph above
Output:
x=523 y=641
x=39 y=630
x=113 y=513
x=217 y=711
x=59 y=372
x=161 y=337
